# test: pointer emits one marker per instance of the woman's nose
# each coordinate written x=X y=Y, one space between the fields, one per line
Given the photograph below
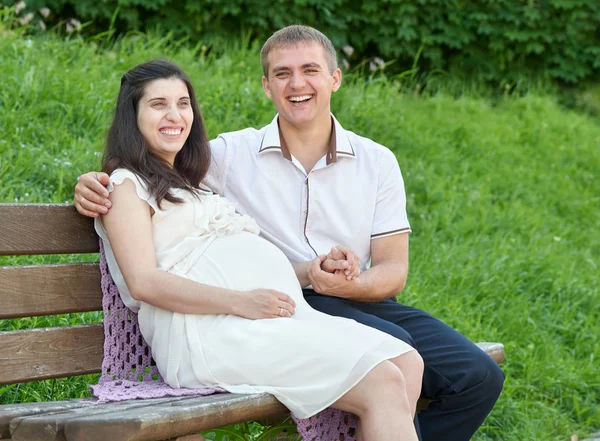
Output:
x=173 y=114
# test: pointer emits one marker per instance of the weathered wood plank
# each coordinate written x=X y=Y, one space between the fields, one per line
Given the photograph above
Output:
x=27 y=291
x=8 y=412
x=45 y=229
x=49 y=426
x=153 y=419
x=170 y=420
x=494 y=350
x=38 y=354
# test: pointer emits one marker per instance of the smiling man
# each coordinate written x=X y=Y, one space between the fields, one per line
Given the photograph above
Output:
x=316 y=189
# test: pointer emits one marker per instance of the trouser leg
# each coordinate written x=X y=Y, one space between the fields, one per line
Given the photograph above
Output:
x=463 y=382
x=332 y=306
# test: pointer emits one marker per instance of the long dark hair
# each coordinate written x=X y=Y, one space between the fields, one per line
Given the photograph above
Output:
x=127 y=148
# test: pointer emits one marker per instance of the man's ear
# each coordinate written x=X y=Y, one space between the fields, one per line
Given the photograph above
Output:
x=265 y=85
x=337 y=79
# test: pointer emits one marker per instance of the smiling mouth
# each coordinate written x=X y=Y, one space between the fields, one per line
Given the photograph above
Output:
x=172 y=132
x=300 y=99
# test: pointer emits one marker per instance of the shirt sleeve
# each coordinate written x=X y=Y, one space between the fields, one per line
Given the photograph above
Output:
x=221 y=152
x=390 y=208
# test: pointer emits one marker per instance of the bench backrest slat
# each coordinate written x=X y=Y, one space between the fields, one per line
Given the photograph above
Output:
x=45 y=229
x=36 y=290
x=28 y=291
x=39 y=354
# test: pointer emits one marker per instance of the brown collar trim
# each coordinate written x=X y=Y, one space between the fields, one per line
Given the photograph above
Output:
x=331 y=148
x=284 y=148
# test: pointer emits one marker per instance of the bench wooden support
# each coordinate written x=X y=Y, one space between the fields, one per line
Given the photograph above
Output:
x=36 y=354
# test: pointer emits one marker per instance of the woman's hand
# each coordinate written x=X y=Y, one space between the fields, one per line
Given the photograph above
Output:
x=265 y=303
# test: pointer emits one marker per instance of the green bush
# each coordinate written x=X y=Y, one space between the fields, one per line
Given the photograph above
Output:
x=500 y=41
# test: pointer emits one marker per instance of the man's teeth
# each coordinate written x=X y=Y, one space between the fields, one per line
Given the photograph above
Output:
x=171 y=131
x=297 y=99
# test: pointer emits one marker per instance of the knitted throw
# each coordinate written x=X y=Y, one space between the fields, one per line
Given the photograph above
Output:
x=129 y=372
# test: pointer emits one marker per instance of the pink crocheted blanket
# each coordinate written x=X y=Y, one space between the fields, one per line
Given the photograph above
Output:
x=129 y=372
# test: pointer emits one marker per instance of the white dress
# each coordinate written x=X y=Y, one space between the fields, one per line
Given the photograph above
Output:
x=307 y=361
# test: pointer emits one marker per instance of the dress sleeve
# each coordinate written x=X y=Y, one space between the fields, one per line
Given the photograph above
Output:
x=390 y=209
x=118 y=176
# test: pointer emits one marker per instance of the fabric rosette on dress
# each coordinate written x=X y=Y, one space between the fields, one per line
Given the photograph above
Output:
x=209 y=217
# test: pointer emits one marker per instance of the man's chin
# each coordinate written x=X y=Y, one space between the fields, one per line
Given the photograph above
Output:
x=296 y=120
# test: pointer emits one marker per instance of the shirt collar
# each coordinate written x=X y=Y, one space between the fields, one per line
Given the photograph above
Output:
x=339 y=144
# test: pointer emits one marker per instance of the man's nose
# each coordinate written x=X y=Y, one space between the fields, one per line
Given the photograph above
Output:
x=297 y=81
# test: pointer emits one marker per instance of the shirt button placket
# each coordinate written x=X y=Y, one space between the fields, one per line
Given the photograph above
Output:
x=306 y=213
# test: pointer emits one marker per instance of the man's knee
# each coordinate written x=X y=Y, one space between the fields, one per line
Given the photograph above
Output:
x=496 y=381
x=483 y=375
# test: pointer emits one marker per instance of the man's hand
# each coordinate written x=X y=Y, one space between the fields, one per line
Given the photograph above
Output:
x=91 y=195
x=265 y=303
x=342 y=260
x=334 y=283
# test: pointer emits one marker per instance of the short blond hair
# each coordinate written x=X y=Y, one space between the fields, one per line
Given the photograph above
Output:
x=294 y=35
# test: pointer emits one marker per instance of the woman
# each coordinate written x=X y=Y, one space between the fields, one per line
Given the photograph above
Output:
x=218 y=305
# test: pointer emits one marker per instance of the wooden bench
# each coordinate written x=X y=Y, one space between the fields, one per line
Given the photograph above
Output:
x=37 y=354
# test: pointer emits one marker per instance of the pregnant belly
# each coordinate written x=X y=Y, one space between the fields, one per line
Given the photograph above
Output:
x=244 y=262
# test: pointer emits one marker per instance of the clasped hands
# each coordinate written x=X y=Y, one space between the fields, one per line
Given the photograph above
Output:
x=331 y=274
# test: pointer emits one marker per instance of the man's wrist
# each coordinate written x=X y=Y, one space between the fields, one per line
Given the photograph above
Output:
x=302 y=273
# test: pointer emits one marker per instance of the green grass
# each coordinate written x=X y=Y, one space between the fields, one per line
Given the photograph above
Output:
x=503 y=198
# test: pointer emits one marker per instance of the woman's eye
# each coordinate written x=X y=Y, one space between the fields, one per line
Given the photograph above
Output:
x=158 y=105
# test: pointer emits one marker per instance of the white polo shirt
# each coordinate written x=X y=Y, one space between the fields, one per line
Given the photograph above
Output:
x=352 y=195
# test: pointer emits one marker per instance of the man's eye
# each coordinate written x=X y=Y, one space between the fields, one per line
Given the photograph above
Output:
x=281 y=74
x=311 y=71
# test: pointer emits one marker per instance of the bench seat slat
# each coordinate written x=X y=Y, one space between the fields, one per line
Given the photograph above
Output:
x=28 y=291
x=494 y=350
x=170 y=420
x=9 y=412
x=45 y=229
x=28 y=427
x=151 y=419
x=39 y=354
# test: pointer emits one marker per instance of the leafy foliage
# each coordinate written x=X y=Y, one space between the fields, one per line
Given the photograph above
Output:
x=500 y=41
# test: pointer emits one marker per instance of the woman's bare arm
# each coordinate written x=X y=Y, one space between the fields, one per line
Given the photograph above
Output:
x=129 y=228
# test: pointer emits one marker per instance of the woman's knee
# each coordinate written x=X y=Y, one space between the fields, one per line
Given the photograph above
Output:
x=412 y=366
x=386 y=379
x=380 y=387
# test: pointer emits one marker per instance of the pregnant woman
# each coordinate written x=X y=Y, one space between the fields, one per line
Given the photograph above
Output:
x=218 y=305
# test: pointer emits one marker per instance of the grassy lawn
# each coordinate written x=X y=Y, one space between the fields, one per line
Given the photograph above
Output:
x=503 y=198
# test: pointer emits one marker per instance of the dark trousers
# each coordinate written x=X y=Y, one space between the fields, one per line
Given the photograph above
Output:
x=461 y=379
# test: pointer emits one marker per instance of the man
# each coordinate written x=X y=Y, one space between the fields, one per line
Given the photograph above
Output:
x=316 y=189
